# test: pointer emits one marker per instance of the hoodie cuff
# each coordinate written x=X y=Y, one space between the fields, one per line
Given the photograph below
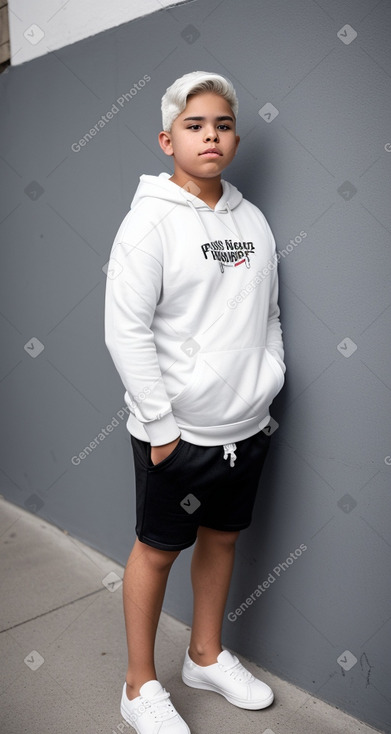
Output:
x=162 y=431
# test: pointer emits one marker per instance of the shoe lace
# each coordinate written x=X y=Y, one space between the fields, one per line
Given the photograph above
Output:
x=238 y=672
x=160 y=706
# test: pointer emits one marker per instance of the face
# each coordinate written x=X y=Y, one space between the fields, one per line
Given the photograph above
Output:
x=190 y=138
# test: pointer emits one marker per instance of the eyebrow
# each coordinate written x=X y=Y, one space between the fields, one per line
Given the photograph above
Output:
x=223 y=117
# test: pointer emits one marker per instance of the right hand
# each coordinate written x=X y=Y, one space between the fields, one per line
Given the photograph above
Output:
x=158 y=453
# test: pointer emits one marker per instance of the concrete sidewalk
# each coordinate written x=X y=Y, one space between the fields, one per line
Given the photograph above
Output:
x=63 y=650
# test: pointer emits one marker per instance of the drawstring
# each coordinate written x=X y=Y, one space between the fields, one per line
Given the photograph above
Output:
x=229 y=450
x=190 y=203
x=233 y=220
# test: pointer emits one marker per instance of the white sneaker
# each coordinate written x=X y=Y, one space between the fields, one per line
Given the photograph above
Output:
x=229 y=678
x=152 y=711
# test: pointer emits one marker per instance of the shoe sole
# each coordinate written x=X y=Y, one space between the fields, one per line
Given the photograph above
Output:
x=126 y=716
x=252 y=705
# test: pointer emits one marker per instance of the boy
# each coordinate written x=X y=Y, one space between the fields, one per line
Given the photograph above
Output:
x=192 y=325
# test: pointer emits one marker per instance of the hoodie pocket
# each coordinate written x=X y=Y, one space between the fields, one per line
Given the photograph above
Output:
x=229 y=387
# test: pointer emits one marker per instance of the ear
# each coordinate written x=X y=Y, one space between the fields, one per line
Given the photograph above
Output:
x=165 y=142
x=237 y=138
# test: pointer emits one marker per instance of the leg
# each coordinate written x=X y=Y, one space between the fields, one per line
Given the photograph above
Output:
x=211 y=571
x=144 y=585
x=211 y=574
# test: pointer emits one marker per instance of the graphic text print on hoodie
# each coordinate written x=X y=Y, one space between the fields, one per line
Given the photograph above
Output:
x=191 y=315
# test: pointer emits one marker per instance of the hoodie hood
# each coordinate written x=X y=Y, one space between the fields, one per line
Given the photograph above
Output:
x=160 y=187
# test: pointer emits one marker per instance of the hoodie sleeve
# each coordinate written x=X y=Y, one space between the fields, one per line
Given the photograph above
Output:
x=274 y=341
x=133 y=289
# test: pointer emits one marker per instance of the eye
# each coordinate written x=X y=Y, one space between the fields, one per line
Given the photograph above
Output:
x=196 y=125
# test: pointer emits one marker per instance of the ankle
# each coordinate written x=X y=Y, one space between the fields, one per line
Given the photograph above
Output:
x=132 y=691
x=204 y=656
x=134 y=684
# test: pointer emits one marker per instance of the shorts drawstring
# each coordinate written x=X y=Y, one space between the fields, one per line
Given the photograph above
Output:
x=229 y=449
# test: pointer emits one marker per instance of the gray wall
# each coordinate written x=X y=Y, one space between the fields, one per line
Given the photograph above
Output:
x=321 y=167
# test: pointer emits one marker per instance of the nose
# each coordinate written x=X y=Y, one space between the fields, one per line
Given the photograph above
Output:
x=211 y=133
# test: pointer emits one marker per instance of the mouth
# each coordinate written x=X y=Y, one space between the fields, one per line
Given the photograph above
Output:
x=211 y=153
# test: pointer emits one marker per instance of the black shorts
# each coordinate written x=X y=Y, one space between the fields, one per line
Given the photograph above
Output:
x=193 y=486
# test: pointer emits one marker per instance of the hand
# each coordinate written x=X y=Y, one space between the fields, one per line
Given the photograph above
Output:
x=158 y=453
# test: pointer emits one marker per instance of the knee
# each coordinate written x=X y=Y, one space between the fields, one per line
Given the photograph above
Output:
x=223 y=538
x=229 y=538
x=159 y=560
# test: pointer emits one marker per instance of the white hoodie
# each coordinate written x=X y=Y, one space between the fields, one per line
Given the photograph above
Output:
x=191 y=315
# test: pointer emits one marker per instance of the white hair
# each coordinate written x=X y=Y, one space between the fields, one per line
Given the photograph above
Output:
x=175 y=98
